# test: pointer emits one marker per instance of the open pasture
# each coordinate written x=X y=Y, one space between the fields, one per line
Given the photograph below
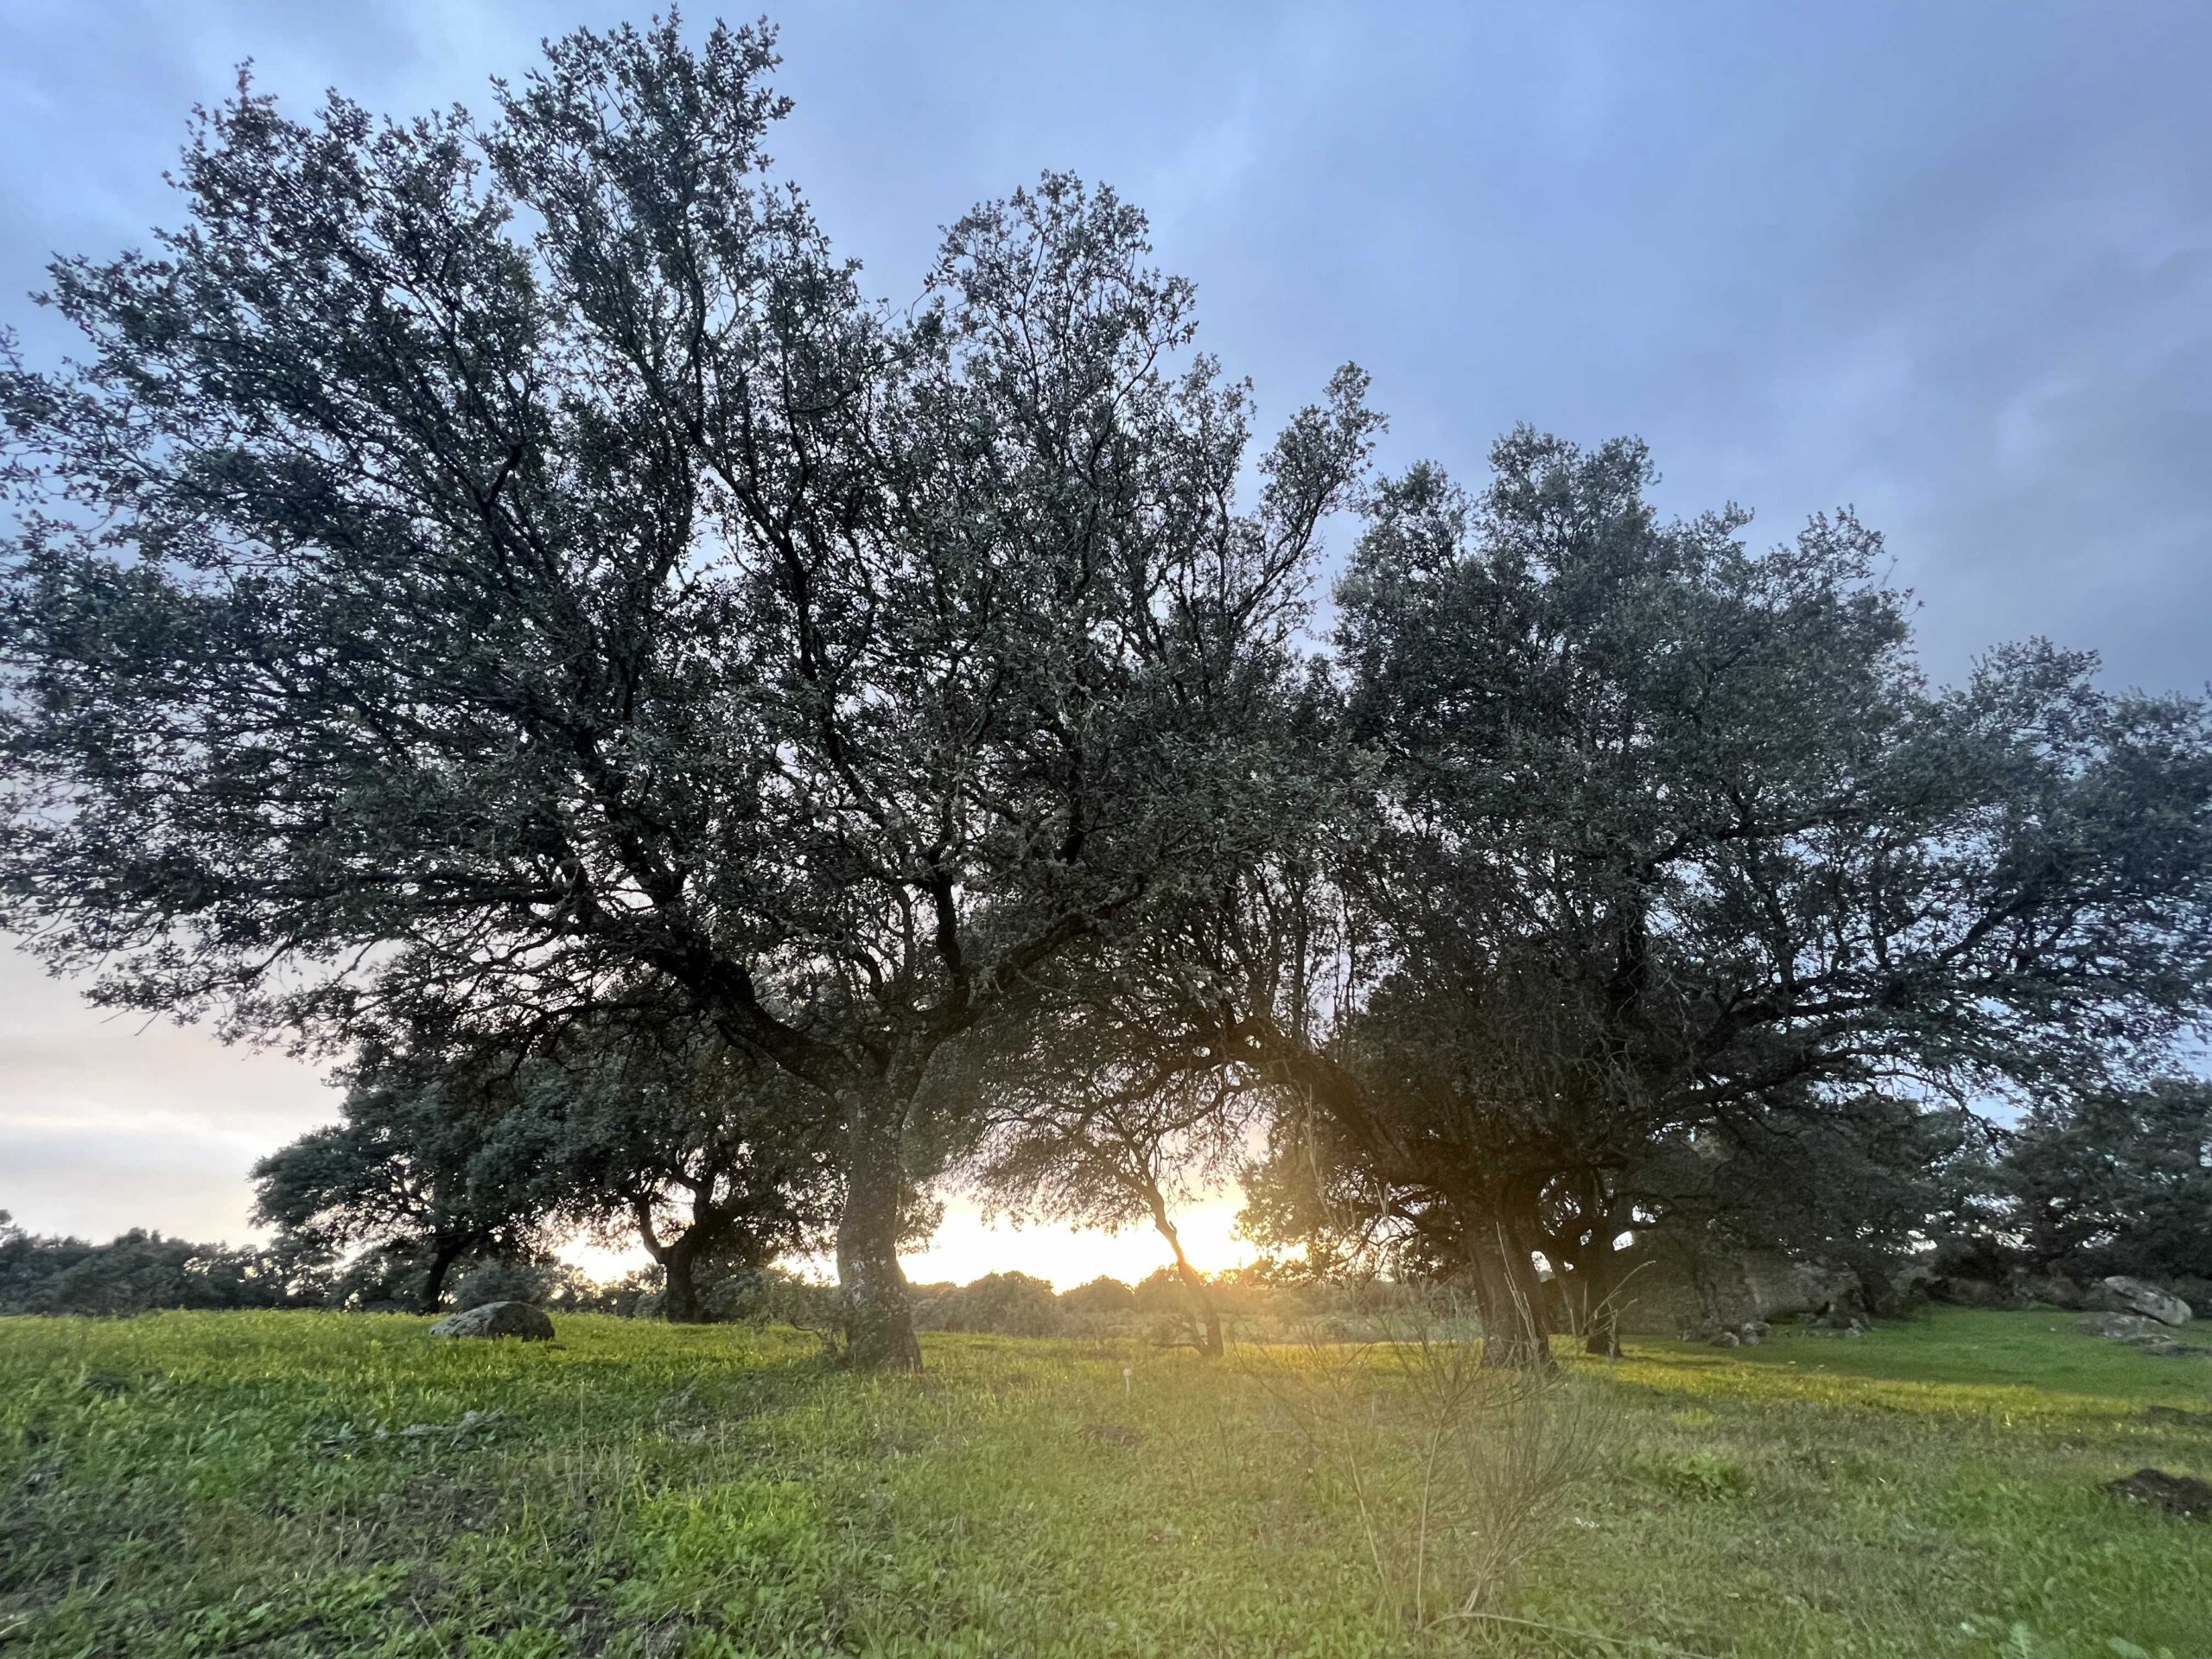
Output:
x=304 y=1484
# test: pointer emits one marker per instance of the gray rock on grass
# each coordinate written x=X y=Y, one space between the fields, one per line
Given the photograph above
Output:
x=2140 y=1296
x=498 y=1319
x=2142 y=1333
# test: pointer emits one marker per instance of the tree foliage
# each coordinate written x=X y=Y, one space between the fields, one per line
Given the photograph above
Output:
x=139 y=1270
x=669 y=1135
x=498 y=596
x=1669 y=838
x=497 y=566
x=422 y=1171
x=2116 y=1181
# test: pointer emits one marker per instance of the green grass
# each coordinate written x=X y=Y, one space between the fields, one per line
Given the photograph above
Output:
x=245 y=1483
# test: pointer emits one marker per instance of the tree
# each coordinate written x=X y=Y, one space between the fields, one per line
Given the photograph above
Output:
x=1081 y=1129
x=491 y=566
x=1855 y=1184
x=416 y=1168
x=1665 y=833
x=696 y=1148
x=2117 y=1179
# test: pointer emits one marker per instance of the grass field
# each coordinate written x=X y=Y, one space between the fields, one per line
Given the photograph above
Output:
x=297 y=1484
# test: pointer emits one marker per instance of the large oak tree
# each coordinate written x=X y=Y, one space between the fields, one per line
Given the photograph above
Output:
x=1668 y=837
x=486 y=568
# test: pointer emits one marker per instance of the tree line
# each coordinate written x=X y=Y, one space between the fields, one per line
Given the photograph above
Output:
x=2117 y=1183
x=497 y=602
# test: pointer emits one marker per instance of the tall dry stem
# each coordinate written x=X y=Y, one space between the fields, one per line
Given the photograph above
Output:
x=1455 y=1474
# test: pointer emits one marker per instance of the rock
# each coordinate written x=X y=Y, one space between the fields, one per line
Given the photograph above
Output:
x=2181 y=1495
x=2123 y=1327
x=498 y=1319
x=2142 y=1333
x=1836 y=1292
x=2141 y=1296
x=1909 y=1284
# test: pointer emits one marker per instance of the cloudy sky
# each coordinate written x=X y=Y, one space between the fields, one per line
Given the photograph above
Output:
x=1949 y=263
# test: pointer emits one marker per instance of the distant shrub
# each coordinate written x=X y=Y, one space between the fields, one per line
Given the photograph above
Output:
x=543 y=1284
x=1161 y=1292
x=769 y=1295
x=1103 y=1296
x=999 y=1304
x=138 y=1272
x=624 y=1296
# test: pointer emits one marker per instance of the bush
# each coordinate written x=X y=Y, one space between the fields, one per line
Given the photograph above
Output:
x=1161 y=1292
x=542 y=1284
x=999 y=1304
x=1702 y=1474
x=135 y=1273
x=770 y=1296
x=1101 y=1297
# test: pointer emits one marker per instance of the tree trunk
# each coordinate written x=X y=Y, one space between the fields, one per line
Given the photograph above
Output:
x=1205 y=1317
x=443 y=1255
x=879 y=1316
x=1597 y=1274
x=680 y=1303
x=1517 y=1332
x=1601 y=1323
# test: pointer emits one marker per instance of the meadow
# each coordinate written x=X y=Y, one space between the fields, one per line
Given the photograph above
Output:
x=328 y=1483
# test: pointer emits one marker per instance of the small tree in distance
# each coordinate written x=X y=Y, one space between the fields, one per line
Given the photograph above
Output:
x=668 y=1135
x=1079 y=1129
x=416 y=1168
x=2117 y=1181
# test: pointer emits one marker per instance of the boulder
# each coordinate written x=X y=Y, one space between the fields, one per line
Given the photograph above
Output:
x=1910 y=1284
x=2127 y=1295
x=2140 y=1332
x=498 y=1319
x=2123 y=1327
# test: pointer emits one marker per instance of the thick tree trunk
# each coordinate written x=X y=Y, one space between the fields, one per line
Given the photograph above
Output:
x=443 y=1255
x=1205 y=1316
x=1595 y=1284
x=879 y=1316
x=678 y=1259
x=1516 y=1331
x=680 y=1303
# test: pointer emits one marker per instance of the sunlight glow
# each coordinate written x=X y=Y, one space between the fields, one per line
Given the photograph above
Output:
x=966 y=1247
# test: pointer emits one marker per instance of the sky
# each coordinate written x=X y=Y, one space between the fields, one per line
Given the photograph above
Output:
x=1949 y=263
